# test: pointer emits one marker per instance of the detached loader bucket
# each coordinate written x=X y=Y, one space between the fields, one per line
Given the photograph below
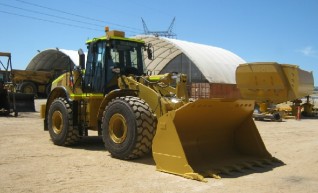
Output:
x=22 y=102
x=209 y=137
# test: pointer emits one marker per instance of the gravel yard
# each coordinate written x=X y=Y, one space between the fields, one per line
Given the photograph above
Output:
x=29 y=162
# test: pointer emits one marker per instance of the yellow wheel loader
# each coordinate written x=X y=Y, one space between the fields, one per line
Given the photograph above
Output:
x=137 y=113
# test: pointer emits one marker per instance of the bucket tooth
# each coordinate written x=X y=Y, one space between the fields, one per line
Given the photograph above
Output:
x=212 y=174
x=267 y=161
x=237 y=168
x=216 y=176
x=195 y=176
x=247 y=165
x=264 y=162
x=225 y=170
x=257 y=163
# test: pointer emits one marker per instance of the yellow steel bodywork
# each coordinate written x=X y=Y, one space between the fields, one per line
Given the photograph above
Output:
x=157 y=95
x=270 y=81
x=96 y=102
x=92 y=101
x=90 y=110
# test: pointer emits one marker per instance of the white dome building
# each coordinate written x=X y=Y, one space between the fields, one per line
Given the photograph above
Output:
x=210 y=70
x=54 y=59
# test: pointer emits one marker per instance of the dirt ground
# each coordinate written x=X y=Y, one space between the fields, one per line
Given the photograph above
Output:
x=29 y=162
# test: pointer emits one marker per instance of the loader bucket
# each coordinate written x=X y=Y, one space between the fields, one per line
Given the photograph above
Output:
x=22 y=102
x=209 y=137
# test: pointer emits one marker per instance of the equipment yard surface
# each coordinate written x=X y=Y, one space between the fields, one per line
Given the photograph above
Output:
x=29 y=162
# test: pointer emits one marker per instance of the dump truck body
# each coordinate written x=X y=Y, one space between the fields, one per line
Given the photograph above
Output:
x=33 y=82
x=41 y=77
x=270 y=83
x=136 y=113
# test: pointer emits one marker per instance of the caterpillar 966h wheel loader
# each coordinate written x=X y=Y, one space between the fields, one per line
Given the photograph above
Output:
x=137 y=113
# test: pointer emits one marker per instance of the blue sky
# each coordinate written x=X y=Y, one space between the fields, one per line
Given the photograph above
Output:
x=285 y=31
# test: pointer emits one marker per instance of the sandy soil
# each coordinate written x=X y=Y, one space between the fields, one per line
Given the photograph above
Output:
x=29 y=162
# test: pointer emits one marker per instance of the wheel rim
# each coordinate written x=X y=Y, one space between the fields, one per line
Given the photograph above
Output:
x=28 y=89
x=57 y=122
x=117 y=128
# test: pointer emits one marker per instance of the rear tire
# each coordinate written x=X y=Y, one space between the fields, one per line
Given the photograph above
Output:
x=128 y=127
x=28 y=88
x=60 y=123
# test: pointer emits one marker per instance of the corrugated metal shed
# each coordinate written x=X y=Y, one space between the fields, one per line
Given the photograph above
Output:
x=217 y=65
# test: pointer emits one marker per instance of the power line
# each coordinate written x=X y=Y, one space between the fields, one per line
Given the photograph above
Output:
x=41 y=13
x=80 y=16
x=50 y=21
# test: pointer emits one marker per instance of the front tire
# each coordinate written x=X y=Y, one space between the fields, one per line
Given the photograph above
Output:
x=60 y=123
x=128 y=127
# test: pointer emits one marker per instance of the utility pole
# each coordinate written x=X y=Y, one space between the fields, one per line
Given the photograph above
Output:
x=168 y=33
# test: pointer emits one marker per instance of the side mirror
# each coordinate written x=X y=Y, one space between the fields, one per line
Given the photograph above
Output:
x=150 y=51
x=81 y=55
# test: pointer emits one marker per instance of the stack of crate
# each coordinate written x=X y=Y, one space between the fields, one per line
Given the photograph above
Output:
x=214 y=90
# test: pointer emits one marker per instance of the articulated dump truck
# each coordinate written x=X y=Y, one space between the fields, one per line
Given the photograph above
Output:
x=272 y=83
x=33 y=82
x=10 y=100
x=136 y=113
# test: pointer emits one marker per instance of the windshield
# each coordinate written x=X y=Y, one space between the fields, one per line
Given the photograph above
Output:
x=126 y=55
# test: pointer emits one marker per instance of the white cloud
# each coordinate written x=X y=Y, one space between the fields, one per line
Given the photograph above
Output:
x=309 y=51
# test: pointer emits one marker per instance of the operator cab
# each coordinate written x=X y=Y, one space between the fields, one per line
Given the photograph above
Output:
x=109 y=56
